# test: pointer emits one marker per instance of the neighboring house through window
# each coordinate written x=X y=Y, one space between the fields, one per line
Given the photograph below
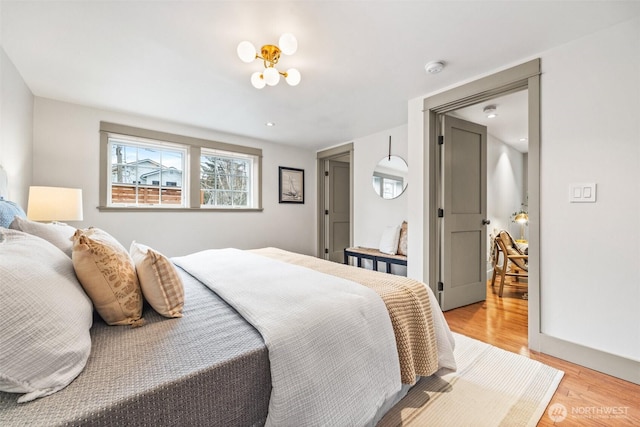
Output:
x=150 y=169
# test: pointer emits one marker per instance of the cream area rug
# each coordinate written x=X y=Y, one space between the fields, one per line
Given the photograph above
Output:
x=492 y=387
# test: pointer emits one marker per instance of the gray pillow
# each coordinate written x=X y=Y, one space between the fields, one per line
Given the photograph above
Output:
x=44 y=338
x=56 y=233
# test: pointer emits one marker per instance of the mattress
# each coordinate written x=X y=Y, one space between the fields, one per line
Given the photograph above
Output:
x=209 y=367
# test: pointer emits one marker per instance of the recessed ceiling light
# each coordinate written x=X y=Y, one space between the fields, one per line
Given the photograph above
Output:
x=523 y=139
x=434 y=67
x=270 y=124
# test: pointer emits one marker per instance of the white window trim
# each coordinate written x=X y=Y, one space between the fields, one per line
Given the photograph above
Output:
x=192 y=167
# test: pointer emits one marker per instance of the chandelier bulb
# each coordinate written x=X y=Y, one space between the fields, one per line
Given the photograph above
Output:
x=257 y=80
x=271 y=76
x=246 y=51
x=292 y=77
x=288 y=44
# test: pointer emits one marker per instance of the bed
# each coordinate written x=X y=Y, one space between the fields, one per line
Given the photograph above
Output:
x=221 y=363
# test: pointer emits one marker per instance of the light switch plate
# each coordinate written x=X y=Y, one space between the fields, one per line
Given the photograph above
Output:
x=584 y=192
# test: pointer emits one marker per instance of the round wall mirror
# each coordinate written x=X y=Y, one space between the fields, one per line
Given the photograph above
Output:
x=390 y=177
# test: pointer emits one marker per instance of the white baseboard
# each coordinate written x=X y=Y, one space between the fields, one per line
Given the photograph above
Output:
x=610 y=364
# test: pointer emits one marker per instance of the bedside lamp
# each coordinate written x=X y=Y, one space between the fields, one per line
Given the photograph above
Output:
x=54 y=204
x=522 y=218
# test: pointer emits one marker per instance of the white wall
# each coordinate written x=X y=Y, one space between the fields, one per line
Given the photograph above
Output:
x=505 y=180
x=66 y=153
x=371 y=212
x=590 y=132
x=590 y=252
x=16 y=131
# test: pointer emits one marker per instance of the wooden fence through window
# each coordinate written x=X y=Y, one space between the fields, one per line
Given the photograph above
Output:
x=147 y=194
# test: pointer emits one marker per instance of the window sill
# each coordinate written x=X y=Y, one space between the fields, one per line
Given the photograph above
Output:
x=153 y=209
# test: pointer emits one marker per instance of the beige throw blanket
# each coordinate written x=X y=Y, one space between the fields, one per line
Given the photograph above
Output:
x=407 y=301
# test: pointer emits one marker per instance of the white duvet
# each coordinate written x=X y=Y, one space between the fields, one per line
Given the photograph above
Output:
x=331 y=345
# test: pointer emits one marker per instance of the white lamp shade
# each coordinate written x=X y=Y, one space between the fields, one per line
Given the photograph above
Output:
x=246 y=51
x=271 y=76
x=257 y=81
x=293 y=77
x=54 y=204
x=288 y=44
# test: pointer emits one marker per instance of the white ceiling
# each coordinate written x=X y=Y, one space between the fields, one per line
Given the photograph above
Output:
x=511 y=123
x=361 y=61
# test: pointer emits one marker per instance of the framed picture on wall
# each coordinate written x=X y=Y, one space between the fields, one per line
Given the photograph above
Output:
x=291 y=185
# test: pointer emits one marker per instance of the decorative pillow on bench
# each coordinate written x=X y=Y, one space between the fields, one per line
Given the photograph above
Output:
x=389 y=240
x=402 y=242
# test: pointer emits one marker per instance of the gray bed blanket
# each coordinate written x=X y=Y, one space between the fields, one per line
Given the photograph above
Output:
x=208 y=368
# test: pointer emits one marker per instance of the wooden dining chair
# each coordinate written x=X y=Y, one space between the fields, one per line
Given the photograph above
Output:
x=508 y=260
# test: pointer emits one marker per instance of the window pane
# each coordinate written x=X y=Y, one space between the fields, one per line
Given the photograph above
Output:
x=148 y=196
x=149 y=156
x=224 y=198
x=171 y=196
x=239 y=183
x=172 y=160
x=208 y=198
x=239 y=199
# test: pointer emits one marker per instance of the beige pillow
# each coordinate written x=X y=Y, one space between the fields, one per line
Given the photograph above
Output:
x=161 y=285
x=402 y=243
x=108 y=276
x=56 y=233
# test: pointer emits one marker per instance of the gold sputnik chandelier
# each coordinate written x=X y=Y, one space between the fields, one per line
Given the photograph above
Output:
x=270 y=55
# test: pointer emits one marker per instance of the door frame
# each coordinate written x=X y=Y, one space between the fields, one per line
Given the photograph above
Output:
x=321 y=158
x=525 y=76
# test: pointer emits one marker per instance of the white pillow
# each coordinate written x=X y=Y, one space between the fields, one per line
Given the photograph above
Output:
x=44 y=337
x=389 y=240
x=56 y=233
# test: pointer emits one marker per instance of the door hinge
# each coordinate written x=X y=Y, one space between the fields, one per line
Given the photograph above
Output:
x=440 y=139
x=326 y=211
x=440 y=286
x=326 y=251
x=326 y=173
x=440 y=213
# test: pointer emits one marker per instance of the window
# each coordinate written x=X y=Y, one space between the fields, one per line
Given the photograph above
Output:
x=226 y=179
x=140 y=172
x=154 y=170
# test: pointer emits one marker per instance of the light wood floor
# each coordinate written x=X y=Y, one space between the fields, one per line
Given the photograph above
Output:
x=585 y=393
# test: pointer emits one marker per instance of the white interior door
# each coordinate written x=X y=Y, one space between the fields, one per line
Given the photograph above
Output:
x=463 y=254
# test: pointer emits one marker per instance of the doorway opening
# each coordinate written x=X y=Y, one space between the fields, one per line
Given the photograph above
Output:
x=506 y=120
x=525 y=77
x=335 y=201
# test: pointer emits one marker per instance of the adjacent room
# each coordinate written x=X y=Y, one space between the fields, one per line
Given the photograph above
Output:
x=344 y=213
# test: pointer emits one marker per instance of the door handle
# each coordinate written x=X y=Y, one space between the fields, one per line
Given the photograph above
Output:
x=486 y=221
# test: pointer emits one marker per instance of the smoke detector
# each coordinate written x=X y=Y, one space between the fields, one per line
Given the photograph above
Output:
x=490 y=111
x=434 y=67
